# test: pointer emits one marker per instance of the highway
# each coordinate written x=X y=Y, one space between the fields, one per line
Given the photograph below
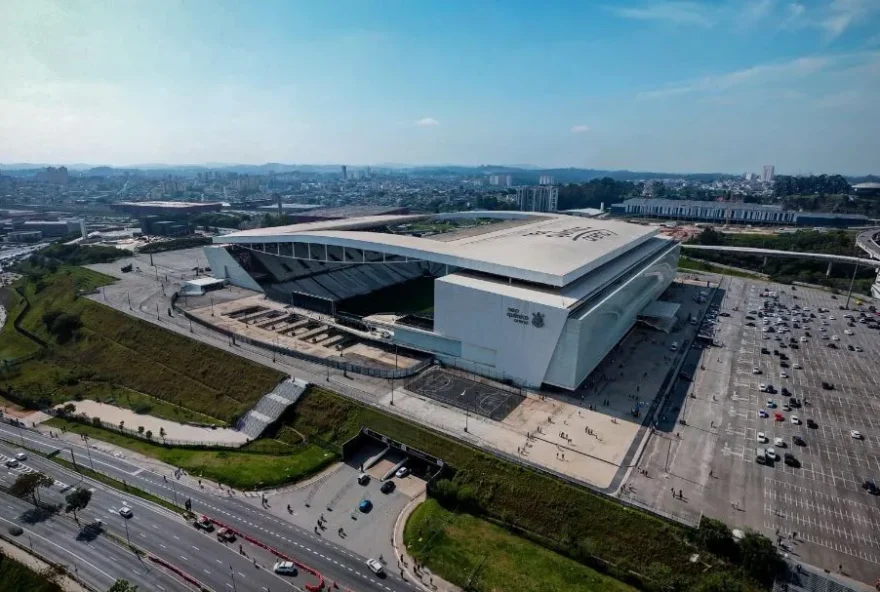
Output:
x=159 y=531
x=98 y=562
x=152 y=528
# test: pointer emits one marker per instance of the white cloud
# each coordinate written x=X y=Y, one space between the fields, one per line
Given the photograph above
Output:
x=843 y=13
x=427 y=122
x=794 y=15
x=763 y=72
x=580 y=129
x=757 y=10
x=679 y=13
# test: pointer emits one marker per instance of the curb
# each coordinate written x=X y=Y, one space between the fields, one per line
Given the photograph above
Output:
x=400 y=550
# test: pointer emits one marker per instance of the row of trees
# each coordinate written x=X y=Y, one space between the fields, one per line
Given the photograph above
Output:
x=784 y=185
x=29 y=484
x=594 y=193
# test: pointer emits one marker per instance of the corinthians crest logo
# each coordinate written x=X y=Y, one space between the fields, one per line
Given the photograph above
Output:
x=538 y=319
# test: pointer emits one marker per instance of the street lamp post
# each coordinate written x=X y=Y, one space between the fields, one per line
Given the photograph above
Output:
x=89 y=451
x=174 y=490
x=125 y=522
x=232 y=575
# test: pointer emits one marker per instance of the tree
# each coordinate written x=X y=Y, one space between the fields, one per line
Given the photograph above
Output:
x=140 y=429
x=149 y=435
x=29 y=484
x=162 y=433
x=716 y=537
x=720 y=582
x=64 y=326
x=759 y=557
x=122 y=586
x=78 y=499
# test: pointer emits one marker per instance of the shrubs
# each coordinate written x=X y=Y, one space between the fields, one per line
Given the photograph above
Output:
x=62 y=325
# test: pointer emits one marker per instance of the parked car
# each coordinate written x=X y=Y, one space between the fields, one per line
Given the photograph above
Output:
x=856 y=434
x=798 y=440
x=790 y=460
x=401 y=472
x=365 y=506
x=204 y=524
x=388 y=486
x=225 y=535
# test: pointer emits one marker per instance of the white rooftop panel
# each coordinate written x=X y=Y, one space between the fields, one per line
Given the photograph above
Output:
x=553 y=249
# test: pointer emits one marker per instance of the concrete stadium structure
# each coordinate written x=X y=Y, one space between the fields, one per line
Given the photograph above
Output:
x=867 y=241
x=531 y=298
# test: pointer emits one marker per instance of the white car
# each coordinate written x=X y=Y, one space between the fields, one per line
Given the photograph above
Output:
x=796 y=366
x=125 y=512
x=674 y=346
x=833 y=318
x=835 y=338
x=803 y=339
x=783 y=375
x=779 y=442
x=859 y=348
x=762 y=387
x=795 y=420
x=762 y=413
x=771 y=453
x=401 y=472
x=375 y=566
x=756 y=370
x=847 y=332
x=856 y=435
x=762 y=438
x=284 y=567
x=21 y=456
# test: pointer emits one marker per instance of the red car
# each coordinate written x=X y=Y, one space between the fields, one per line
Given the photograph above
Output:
x=778 y=417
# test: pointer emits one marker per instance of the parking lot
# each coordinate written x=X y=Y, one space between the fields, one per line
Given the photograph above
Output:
x=337 y=495
x=817 y=494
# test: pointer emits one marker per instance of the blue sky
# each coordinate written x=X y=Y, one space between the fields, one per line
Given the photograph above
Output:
x=727 y=85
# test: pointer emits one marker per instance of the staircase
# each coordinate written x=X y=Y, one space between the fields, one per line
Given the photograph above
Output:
x=270 y=407
x=809 y=579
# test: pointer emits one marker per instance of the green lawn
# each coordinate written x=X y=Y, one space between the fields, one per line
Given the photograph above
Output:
x=245 y=468
x=117 y=356
x=16 y=577
x=453 y=545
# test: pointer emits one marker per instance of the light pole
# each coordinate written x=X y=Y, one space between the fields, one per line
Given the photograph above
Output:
x=89 y=451
x=232 y=575
x=174 y=490
x=125 y=522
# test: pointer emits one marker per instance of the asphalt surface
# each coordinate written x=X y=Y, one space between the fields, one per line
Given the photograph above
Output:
x=196 y=552
x=154 y=529
x=98 y=562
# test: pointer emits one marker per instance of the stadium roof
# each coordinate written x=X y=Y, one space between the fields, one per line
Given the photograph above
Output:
x=550 y=249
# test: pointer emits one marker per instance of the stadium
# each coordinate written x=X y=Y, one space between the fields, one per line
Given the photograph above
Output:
x=531 y=299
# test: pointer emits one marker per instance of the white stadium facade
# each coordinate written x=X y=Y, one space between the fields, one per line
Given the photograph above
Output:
x=534 y=299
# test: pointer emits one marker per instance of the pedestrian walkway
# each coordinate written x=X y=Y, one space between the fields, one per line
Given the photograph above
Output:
x=419 y=574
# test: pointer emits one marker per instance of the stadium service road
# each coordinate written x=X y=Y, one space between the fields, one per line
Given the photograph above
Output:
x=822 y=500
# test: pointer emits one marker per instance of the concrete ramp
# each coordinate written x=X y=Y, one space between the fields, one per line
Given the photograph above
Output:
x=270 y=407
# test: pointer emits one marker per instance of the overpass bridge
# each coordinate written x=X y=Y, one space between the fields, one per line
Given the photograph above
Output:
x=863 y=261
x=867 y=241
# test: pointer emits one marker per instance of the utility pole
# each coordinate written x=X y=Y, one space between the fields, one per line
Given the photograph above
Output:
x=125 y=522
x=129 y=301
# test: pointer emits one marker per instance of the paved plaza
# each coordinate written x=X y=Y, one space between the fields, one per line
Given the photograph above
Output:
x=818 y=510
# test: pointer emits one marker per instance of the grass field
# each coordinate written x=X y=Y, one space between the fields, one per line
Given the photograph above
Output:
x=570 y=518
x=245 y=468
x=15 y=577
x=13 y=345
x=116 y=356
x=457 y=545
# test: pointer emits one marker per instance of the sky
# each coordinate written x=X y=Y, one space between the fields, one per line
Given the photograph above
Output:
x=676 y=86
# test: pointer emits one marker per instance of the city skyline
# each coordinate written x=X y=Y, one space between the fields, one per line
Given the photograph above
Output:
x=643 y=86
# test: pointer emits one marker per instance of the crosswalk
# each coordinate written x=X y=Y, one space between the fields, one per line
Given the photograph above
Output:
x=22 y=469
